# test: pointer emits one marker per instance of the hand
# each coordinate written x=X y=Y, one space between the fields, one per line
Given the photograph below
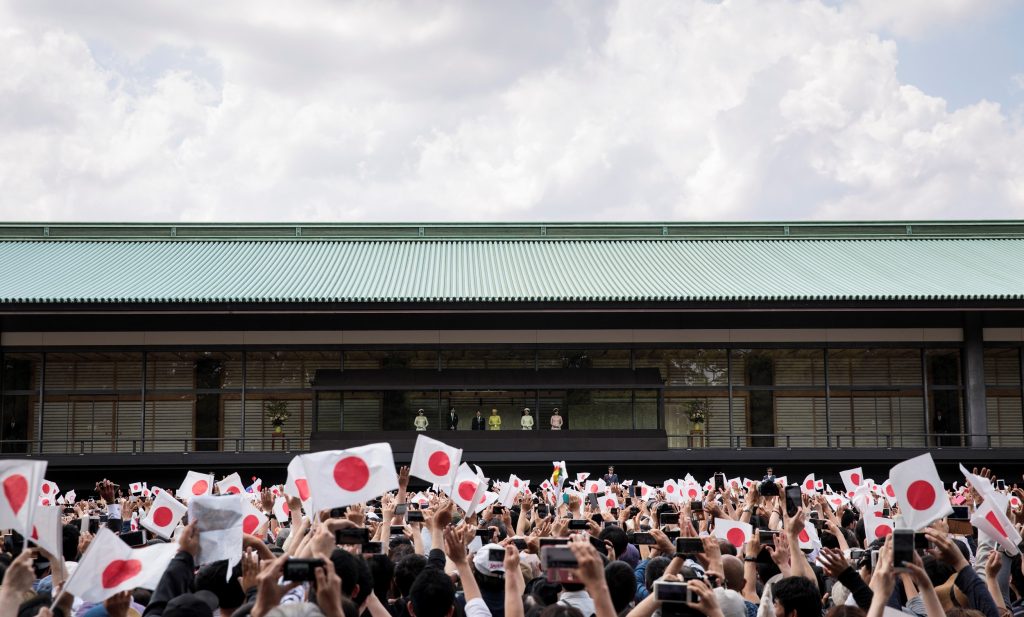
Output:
x=117 y=604
x=511 y=557
x=780 y=552
x=19 y=576
x=993 y=564
x=753 y=548
x=323 y=539
x=403 y=478
x=833 y=561
x=84 y=540
x=589 y=566
x=267 y=501
x=328 y=588
x=442 y=517
x=189 y=540
x=883 y=579
x=268 y=594
x=662 y=543
x=357 y=514
x=918 y=575
x=455 y=545
x=707 y=605
x=795 y=524
x=250 y=570
x=294 y=505
x=946 y=550
x=106 y=489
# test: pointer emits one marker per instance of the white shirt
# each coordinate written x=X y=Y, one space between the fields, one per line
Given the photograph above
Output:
x=580 y=600
x=477 y=608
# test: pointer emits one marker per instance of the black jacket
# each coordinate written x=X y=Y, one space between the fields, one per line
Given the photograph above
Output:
x=479 y=423
x=453 y=421
x=179 y=578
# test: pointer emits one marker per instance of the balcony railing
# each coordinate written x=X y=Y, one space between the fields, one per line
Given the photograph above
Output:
x=166 y=445
x=794 y=441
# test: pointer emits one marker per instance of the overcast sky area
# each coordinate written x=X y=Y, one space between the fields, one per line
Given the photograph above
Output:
x=484 y=111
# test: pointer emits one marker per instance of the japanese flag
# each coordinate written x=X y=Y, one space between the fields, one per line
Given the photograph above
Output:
x=196 y=484
x=608 y=501
x=434 y=461
x=920 y=492
x=256 y=486
x=748 y=483
x=297 y=485
x=889 y=492
x=70 y=497
x=596 y=486
x=980 y=484
x=281 y=511
x=231 y=485
x=1015 y=502
x=487 y=499
x=808 y=486
x=671 y=490
x=582 y=477
x=421 y=499
x=991 y=519
x=692 y=492
x=735 y=532
x=836 y=501
x=219 y=521
x=512 y=488
x=48 y=493
x=808 y=537
x=819 y=485
x=852 y=478
x=645 y=491
x=876 y=527
x=136 y=487
x=469 y=489
x=18 y=501
x=164 y=515
x=735 y=484
x=343 y=477
x=110 y=566
x=47 y=531
x=252 y=517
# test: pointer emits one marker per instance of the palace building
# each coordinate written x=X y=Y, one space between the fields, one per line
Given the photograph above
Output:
x=214 y=346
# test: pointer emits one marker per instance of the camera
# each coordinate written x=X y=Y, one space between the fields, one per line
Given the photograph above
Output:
x=678 y=593
x=301 y=570
x=352 y=535
x=373 y=548
x=689 y=546
x=642 y=537
x=559 y=564
x=414 y=516
x=579 y=524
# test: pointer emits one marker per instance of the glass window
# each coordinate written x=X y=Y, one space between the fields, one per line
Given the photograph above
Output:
x=686 y=367
x=390 y=359
x=878 y=418
x=778 y=367
x=874 y=367
x=1005 y=421
x=188 y=370
x=287 y=370
x=19 y=413
x=582 y=358
x=263 y=413
x=1002 y=367
x=686 y=433
x=488 y=358
x=22 y=372
x=93 y=371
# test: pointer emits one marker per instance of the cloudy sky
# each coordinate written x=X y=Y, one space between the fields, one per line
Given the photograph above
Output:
x=247 y=110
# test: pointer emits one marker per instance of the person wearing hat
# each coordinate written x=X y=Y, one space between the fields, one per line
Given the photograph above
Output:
x=556 y=420
x=421 y=423
x=526 y=422
x=490 y=576
x=494 y=421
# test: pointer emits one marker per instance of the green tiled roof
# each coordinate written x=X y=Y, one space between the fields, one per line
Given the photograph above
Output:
x=480 y=263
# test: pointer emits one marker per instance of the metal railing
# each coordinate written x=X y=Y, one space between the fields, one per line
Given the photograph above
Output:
x=792 y=441
x=164 y=445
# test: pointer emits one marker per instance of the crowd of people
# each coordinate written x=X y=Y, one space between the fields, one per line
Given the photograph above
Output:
x=550 y=553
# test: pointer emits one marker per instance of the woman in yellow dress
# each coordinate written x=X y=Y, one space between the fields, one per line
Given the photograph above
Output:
x=494 y=421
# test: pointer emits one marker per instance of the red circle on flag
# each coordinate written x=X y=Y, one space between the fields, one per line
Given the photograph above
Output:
x=882 y=530
x=804 y=536
x=200 y=487
x=303 y=487
x=35 y=533
x=515 y=483
x=810 y=485
x=46 y=502
x=351 y=473
x=921 y=495
x=439 y=464
x=46 y=488
x=467 y=489
x=233 y=490
x=593 y=488
x=670 y=488
x=16 y=490
x=162 y=516
x=693 y=493
x=610 y=503
x=250 y=523
x=889 y=491
x=735 y=536
x=284 y=506
x=118 y=571
x=855 y=478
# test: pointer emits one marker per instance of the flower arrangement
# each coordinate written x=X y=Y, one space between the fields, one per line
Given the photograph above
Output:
x=697 y=411
x=276 y=412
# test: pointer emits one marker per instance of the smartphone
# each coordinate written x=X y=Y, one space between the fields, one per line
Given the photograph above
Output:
x=814 y=515
x=301 y=569
x=414 y=516
x=794 y=499
x=338 y=512
x=553 y=542
x=373 y=548
x=960 y=513
x=720 y=481
x=633 y=511
x=497 y=508
x=671 y=534
x=560 y=565
x=613 y=511
x=133 y=539
x=397 y=530
x=579 y=524
x=638 y=491
x=594 y=503
x=642 y=537
x=921 y=542
x=689 y=546
x=496 y=555
x=401 y=509
x=674 y=593
x=902 y=548
x=610 y=524
x=766 y=538
x=696 y=506
x=1000 y=484
x=352 y=535
x=519 y=543
x=668 y=518
x=484 y=533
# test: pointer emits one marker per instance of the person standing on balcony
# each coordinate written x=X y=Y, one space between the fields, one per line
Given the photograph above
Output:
x=494 y=421
x=453 y=420
x=479 y=422
x=421 y=421
x=556 y=420
x=526 y=422
x=769 y=476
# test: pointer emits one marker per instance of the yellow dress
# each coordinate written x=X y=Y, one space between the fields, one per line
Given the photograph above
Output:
x=494 y=423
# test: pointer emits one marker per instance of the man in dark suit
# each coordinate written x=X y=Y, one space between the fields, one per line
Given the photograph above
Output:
x=479 y=422
x=453 y=420
x=611 y=477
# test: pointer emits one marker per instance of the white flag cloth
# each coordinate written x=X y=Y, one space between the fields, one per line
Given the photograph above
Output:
x=136 y=487
x=110 y=566
x=47 y=531
x=875 y=526
x=164 y=515
x=469 y=489
x=595 y=486
x=512 y=488
x=990 y=519
x=836 y=501
x=608 y=501
x=809 y=486
x=809 y=537
x=582 y=477
x=692 y=491
x=889 y=493
x=70 y=497
x=231 y=485
x=281 y=511
x=195 y=484
x=20 y=482
x=297 y=485
x=340 y=478
x=852 y=478
x=434 y=461
x=48 y=493
x=485 y=500
x=736 y=532
x=735 y=484
x=219 y=521
x=252 y=517
x=922 y=498
x=645 y=491
x=672 y=492
x=980 y=484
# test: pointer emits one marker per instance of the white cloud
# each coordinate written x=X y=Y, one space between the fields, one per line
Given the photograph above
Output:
x=389 y=111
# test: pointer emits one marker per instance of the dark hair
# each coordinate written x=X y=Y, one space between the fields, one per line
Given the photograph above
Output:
x=432 y=594
x=621 y=584
x=655 y=568
x=727 y=548
x=848 y=518
x=382 y=571
x=406 y=572
x=796 y=593
x=69 y=542
x=214 y=578
x=829 y=540
x=353 y=571
x=938 y=571
x=617 y=536
x=845 y=611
